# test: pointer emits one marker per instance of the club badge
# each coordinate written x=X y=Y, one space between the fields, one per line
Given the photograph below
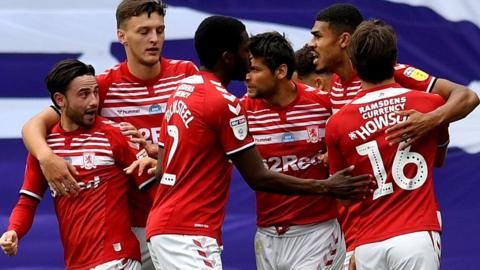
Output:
x=239 y=127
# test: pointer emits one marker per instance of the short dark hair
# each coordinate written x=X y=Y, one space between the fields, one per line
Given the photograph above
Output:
x=216 y=35
x=341 y=17
x=304 y=58
x=65 y=71
x=275 y=50
x=130 y=8
x=373 y=51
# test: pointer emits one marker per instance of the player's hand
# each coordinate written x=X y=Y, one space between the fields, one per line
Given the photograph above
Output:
x=415 y=127
x=152 y=150
x=9 y=243
x=342 y=185
x=351 y=264
x=146 y=163
x=323 y=159
x=59 y=175
x=132 y=133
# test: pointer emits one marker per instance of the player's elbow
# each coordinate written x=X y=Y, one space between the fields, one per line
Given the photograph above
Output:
x=473 y=99
x=259 y=180
x=469 y=97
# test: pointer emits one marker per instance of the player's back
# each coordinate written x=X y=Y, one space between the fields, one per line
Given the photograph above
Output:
x=404 y=200
x=203 y=125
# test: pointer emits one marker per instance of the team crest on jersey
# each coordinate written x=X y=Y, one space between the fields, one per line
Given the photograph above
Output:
x=239 y=127
x=155 y=109
x=313 y=134
x=288 y=137
x=415 y=74
x=88 y=161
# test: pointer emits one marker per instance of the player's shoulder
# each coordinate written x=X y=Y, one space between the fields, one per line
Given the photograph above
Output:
x=107 y=126
x=178 y=66
x=424 y=96
x=110 y=73
x=311 y=94
x=251 y=104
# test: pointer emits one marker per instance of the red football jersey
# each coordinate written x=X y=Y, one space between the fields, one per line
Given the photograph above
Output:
x=94 y=226
x=290 y=140
x=404 y=200
x=125 y=98
x=204 y=124
x=342 y=92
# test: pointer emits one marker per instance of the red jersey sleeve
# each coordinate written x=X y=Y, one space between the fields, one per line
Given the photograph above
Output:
x=34 y=183
x=227 y=116
x=413 y=78
x=21 y=219
x=33 y=188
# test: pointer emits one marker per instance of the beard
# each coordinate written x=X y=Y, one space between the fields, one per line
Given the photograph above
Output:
x=79 y=117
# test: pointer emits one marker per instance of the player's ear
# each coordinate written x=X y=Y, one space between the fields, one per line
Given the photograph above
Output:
x=344 y=39
x=121 y=37
x=228 y=58
x=281 y=72
x=319 y=83
x=60 y=99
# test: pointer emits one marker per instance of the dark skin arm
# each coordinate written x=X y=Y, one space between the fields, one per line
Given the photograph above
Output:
x=441 y=156
x=340 y=185
x=460 y=101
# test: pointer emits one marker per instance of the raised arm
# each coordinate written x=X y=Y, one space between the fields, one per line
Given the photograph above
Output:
x=460 y=101
x=340 y=185
x=56 y=170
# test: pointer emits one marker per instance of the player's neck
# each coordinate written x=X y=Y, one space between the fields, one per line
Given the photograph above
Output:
x=67 y=124
x=224 y=78
x=345 y=69
x=286 y=93
x=142 y=71
x=368 y=85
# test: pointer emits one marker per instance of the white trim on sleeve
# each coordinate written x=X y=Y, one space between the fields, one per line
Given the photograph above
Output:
x=431 y=84
x=31 y=194
x=240 y=148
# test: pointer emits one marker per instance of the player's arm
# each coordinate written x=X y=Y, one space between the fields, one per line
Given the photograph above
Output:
x=21 y=221
x=443 y=141
x=352 y=265
x=460 y=101
x=340 y=185
x=56 y=170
